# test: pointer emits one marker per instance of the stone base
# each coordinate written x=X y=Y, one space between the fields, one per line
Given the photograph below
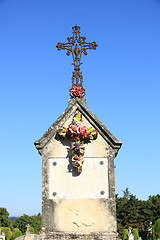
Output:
x=80 y=236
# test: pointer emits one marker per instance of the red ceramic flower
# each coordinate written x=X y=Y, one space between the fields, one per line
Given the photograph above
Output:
x=83 y=132
x=78 y=133
x=72 y=132
x=76 y=92
x=78 y=159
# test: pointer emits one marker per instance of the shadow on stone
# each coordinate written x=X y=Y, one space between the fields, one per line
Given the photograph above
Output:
x=66 y=142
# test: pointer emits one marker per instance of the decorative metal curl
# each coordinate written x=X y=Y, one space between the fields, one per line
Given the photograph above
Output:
x=76 y=45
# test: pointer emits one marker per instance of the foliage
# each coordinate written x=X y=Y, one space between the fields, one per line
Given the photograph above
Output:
x=37 y=219
x=135 y=233
x=19 y=224
x=31 y=229
x=33 y=221
x=4 y=220
x=124 y=234
x=154 y=207
x=12 y=219
x=131 y=212
x=135 y=213
x=14 y=230
x=126 y=193
x=16 y=233
x=153 y=233
x=7 y=232
x=156 y=230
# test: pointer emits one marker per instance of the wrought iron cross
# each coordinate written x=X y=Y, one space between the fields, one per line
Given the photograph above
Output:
x=77 y=45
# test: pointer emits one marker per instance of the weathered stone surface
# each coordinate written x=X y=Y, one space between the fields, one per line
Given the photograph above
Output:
x=29 y=237
x=91 y=236
x=65 y=183
x=67 y=215
x=79 y=104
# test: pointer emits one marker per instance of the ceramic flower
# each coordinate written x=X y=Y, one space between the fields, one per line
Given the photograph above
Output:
x=78 y=159
x=72 y=132
x=78 y=133
x=76 y=92
x=77 y=148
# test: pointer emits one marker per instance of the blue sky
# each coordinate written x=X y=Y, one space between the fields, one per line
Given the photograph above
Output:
x=121 y=78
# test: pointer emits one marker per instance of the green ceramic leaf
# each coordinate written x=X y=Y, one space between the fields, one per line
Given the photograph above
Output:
x=82 y=151
x=73 y=154
x=93 y=132
x=89 y=129
x=78 y=117
x=75 y=164
x=62 y=132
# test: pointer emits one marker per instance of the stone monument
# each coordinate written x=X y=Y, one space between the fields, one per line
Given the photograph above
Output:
x=28 y=235
x=130 y=235
x=78 y=151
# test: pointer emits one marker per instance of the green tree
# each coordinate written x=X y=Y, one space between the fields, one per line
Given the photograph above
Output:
x=37 y=223
x=7 y=232
x=126 y=193
x=33 y=221
x=16 y=233
x=127 y=210
x=31 y=229
x=156 y=230
x=4 y=220
x=21 y=223
x=135 y=213
x=124 y=234
x=12 y=219
x=121 y=204
x=135 y=233
x=131 y=219
x=154 y=206
x=144 y=219
x=153 y=233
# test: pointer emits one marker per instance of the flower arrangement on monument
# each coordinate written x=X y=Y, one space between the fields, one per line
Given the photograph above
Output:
x=78 y=134
x=76 y=92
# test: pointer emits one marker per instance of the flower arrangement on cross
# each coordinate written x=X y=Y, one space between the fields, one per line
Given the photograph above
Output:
x=78 y=134
x=76 y=92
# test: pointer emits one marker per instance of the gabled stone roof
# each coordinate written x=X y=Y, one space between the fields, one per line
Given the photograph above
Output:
x=78 y=104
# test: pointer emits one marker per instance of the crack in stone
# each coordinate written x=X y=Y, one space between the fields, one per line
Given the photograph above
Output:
x=84 y=224
x=76 y=224
x=87 y=225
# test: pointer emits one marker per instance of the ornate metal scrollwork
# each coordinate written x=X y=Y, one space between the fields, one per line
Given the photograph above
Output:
x=76 y=45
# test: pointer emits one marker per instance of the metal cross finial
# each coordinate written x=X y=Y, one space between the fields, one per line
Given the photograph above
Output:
x=76 y=45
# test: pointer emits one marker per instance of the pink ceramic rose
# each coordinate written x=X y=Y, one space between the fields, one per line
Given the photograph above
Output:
x=78 y=159
x=72 y=132
x=76 y=92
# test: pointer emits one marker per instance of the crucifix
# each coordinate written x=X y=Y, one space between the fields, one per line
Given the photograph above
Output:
x=77 y=45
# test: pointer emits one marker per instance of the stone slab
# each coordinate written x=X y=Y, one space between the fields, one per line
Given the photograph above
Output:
x=92 y=183
x=91 y=236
